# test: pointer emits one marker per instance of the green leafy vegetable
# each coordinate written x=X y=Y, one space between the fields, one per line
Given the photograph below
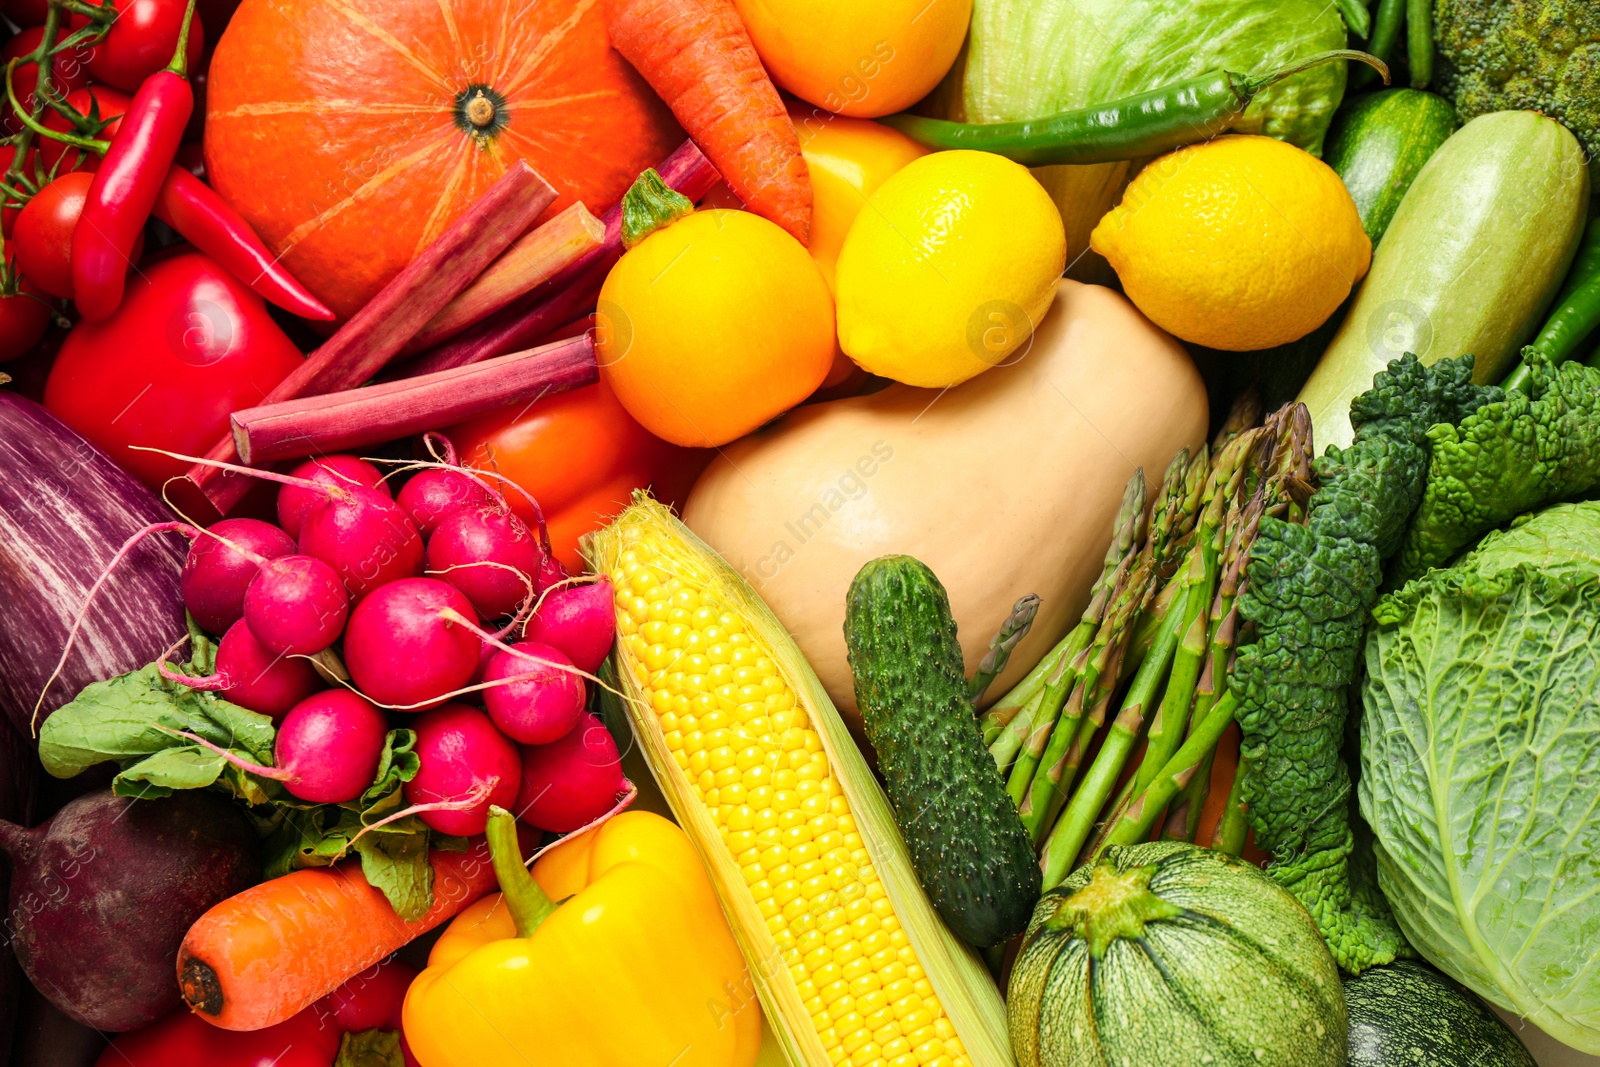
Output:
x=1027 y=59
x=1481 y=767
x=1308 y=594
x=370 y=1048
x=1514 y=455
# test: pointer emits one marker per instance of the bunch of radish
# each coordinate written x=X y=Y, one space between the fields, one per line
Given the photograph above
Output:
x=445 y=612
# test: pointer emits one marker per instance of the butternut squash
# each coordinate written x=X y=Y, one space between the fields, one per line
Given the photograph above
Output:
x=1005 y=485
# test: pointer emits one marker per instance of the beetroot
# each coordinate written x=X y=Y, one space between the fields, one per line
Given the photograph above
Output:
x=258 y=680
x=571 y=782
x=103 y=893
x=489 y=554
x=296 y=606
x=365 y=537
x=411 y=642
x=433 y=493
x=461 y=755
x=296 y=502
x=216 y=574
x=579 y=620
x=545 y=702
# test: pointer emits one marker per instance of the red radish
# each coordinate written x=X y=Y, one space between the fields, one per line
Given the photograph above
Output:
x=461 y=754
x=577 y=619
x=219 y=569
x=571 y=782
x=328 y=747
x=551 y=573
x=544 y=705
x=434 y=492
x=253 y=678
x=296 y=606
x=489 y=554
x=364 y=536
x=411 y=642
x=296 y=502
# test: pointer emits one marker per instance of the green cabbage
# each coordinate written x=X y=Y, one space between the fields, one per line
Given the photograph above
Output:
x=1481 y=767
x=1031 y=58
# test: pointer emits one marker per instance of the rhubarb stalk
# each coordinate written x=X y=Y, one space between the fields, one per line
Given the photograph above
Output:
x=537 y=257
x=377 y=333
x=570 y=295
x=334 y=422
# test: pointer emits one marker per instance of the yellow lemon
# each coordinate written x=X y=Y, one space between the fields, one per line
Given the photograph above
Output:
x=857 y=58
x=1241 y=243
x=947 y=269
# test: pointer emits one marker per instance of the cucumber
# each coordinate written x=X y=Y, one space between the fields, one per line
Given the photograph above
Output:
x=1407 y=1014
x=1469 y=263
x=967 y=842
x=1378 y=143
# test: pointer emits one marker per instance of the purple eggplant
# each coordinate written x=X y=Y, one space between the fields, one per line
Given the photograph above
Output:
x=65 y=509
x=102 y=894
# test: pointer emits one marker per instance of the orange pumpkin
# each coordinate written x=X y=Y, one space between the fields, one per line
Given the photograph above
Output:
x=351 y=132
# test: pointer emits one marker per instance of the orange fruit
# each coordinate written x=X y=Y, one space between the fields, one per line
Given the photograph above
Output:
x=857 y=58
x=712 y=326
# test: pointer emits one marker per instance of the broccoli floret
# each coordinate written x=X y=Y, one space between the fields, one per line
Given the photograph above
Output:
x=1536 y=55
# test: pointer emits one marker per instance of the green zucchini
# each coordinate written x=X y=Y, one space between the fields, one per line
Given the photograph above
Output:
x=1376 y=145
x=1168 y=955
x=1409 y=1015
x=967 y=842
x=1470 y=262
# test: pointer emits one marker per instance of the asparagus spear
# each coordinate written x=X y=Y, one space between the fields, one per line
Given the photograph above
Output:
x=1235 y=822
x=1012 y=631
x=1038 y=697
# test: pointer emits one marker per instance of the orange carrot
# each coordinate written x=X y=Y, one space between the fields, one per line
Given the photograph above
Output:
x=261 y=956
x=697 y=56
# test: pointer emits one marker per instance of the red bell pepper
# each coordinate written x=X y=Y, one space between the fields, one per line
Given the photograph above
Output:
x=128 y=182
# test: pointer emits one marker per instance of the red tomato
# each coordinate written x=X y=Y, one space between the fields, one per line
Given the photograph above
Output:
x=26 y=13
x=190 y=345
x=8 y=216
x=69 y=70
x=112 y=105
x=23 y=320
x=371 y=1000
x=184 y=1039
x=581 y=456
x=141 y=41
x=42 y=234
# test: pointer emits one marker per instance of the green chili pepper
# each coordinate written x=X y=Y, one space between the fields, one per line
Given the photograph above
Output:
x=1148 y=124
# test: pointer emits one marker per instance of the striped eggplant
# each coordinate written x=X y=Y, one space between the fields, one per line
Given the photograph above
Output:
x=65 y=509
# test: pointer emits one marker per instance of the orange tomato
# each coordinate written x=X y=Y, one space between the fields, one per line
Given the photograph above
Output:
x=713 y=326
x=581 y=456
x=863 y=59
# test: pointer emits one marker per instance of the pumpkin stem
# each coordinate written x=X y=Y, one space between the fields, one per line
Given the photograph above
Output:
x=651 y=205
x=1115 y=903
x=480 y=110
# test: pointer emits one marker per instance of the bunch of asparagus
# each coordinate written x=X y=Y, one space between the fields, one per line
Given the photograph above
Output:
x=1150 y=654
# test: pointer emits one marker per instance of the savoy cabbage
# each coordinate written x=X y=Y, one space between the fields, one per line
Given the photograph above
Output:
x=1481 y=767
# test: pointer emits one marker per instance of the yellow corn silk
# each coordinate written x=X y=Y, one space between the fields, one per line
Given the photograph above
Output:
x=708 y=692
x=634 y=966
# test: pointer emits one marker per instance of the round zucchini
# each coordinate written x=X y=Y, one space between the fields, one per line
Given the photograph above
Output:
x=1409 y=1015
x=1168 y=955
x=1378 y=143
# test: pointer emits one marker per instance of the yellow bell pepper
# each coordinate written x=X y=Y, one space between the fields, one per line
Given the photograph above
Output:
x=613 y=952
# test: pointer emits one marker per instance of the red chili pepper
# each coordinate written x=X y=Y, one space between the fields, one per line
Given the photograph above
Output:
x=128 y=183
x=206 y=221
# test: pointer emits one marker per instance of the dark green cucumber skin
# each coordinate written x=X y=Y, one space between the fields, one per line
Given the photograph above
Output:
x=1376 y=145
x=1379 y=142
x=1407 y=1014
x=967 y=841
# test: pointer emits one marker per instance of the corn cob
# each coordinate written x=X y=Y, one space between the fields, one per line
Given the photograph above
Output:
x=850 y=961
